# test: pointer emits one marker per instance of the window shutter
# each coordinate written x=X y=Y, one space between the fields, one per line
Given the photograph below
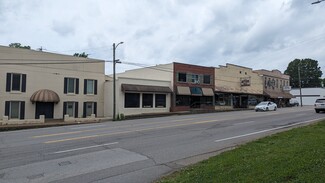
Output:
x=77 y=86
x=64 y=108
x=7 y=106
x=84 y=110
x=65 y=91
x=23 y=85
x=22 y=110
x=76 y=106
x=95 y=88
x=8 y=85
x=85 y=86
x=95 y=108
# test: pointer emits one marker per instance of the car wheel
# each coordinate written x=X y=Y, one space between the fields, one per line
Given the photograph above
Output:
x=266 y=109
x=274 y=108
x=256 y=110
x=317 y=111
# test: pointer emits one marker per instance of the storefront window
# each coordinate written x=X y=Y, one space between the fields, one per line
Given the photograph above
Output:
x=223 y=99
x=182 y=100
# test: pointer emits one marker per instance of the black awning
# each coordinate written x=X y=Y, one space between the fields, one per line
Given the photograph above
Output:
x=146 y=88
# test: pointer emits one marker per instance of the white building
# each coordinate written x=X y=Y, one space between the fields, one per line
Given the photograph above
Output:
x=309 y=95
x=140 y=91
x=35 y=83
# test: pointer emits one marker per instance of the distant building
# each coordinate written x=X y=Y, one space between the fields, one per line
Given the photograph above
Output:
x=276 y=86
x=35 y=83
x=237 y=87
x=309 y=95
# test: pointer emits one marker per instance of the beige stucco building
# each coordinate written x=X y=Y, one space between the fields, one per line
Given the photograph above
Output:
x=237 y=87
x=35 y=83
x=140 y=91
x=276 y=86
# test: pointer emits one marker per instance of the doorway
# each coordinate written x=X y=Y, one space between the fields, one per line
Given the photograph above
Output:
x=44 y=108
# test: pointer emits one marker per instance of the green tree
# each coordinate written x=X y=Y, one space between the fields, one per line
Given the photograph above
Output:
x=18 y=45
x=83 y=54
x=310 y=73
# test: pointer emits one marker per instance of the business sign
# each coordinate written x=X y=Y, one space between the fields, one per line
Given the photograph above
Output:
x=286 y=88
x=245 y=81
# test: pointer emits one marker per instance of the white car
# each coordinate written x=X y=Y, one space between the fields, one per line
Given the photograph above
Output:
x=320 y=105
x=266 y=106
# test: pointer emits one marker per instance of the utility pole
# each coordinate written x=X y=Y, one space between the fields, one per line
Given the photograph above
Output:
x=114 y=79
x=299 y=83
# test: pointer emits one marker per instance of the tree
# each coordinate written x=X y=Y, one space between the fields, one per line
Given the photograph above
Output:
x=310 y=73
x=83 y=54
x=18 y=45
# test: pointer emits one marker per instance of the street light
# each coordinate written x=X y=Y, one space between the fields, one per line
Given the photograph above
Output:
x=299 y=83
x=316 y=2
x=114 y=79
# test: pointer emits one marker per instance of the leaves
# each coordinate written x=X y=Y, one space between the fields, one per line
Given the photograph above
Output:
x=310 y=73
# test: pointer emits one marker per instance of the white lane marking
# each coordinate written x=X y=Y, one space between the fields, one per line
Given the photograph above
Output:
x=82 y=148
x=263 y=131
x=247 y=122
x=85 y=127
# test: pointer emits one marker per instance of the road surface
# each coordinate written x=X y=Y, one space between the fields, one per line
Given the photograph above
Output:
x=139 y=150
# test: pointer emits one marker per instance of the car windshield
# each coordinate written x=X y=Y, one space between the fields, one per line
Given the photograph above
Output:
x=320 y=101
x=263 y=103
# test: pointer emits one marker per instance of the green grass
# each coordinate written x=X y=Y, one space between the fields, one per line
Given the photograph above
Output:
x=297 y=155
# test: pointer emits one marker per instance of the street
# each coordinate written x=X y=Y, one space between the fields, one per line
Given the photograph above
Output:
x=139 y=150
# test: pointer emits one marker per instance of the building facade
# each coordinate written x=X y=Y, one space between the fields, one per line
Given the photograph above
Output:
x=140 y=91
x=38 y=83
x=276 y=86
x=193 y=87
x=237 y=87
x=308 y=95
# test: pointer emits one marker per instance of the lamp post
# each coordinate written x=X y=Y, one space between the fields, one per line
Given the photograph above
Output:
x=114 y=79
x=299 y=83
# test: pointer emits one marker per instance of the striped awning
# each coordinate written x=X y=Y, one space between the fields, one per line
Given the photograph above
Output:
x=45 y=95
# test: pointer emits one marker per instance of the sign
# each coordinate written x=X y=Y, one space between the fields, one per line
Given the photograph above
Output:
x=245 y=81
x=286 y=88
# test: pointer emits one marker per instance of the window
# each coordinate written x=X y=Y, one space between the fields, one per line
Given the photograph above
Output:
x=195 y=78
x=90 y=86
x=71 y=85
x=147 y=100
x=90 y=108
x=16 y=82
x=181 y=77
x=223 y=99
x=70 y=108
x=160 y=100
x=206 y=79
x=15 y=109
x=132 y=100
x=182 y=100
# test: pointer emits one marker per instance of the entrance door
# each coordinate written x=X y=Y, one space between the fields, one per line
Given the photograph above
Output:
x=44 y=108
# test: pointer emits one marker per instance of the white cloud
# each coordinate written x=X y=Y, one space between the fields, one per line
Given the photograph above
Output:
x=259 y=34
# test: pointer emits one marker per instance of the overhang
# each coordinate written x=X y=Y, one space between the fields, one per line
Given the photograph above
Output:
x=45 y=95
x=278 y=94
x=207 y=92
x=145 y=88
x=183 y=90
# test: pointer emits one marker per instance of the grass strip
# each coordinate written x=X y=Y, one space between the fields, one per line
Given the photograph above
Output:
x=297 y=155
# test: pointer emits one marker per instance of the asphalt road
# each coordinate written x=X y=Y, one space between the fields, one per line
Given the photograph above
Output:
x=135 y=150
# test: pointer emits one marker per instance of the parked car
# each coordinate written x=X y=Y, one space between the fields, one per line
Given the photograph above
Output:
x=266 y=106
x=320 y=105
x=293 y=102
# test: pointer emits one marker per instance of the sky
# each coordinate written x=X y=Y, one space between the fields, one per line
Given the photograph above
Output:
x=259 y=34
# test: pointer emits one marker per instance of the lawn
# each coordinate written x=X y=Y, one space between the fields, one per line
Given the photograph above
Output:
x=297 y=155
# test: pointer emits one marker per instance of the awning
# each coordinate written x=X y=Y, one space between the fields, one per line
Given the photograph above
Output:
x=278 y=94
x=183 y=90
x=196 y=91
x=145 y=88
x=45 y=95
x=207 y=92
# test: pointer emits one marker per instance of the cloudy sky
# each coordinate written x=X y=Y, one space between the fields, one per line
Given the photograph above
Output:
x=258 y=34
